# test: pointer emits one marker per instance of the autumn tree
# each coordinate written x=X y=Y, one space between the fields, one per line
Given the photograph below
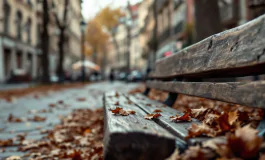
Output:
x=62 y=26
x=109 y=19
x=96 y=38
x=45 y=43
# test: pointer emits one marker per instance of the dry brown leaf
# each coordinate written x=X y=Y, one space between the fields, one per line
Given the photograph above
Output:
x=157 y=110
x=52 y=105
x=81 y=99
x=131 y=112
x=116 y=110
x=122 y=112
x=198 y=113
x=60 y=102
x=211 y=119
x=232 y=117
x=5 y=143
x=224 y=123
x=12 y=118
x=152 y=116
x=37 y=119
x=202 y=129
x=185 y=117
x=194 y=153
x=247 y=139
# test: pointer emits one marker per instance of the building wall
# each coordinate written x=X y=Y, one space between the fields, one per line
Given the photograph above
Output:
x=24 y=53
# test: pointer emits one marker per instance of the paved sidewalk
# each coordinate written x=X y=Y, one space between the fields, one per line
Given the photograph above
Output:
x=4 y=87
x=29 y=105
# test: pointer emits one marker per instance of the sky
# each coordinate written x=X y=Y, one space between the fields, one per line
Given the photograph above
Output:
x=91 y=7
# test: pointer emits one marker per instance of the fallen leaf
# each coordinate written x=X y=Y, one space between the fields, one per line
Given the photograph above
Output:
x=10 y=99
x=87 y=131
x=200 y=129
x=122 y=112
x=195 y=153
x=232 y=117
x=60 y=102
x=185 y=117
x=152 y=116
x=223 y=122
x=211 y=119
x=248 y=140
x=117 y=94
x=157 y=111
x=37 y=119
x=5 y=143
x=12 y=118
x=116 y=110
x=131 y=112
x=81 y=99
x=76 y=155
x=198 y=113
x=52 y=105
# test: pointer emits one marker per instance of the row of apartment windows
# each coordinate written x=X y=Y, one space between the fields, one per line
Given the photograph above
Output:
x=18 y=23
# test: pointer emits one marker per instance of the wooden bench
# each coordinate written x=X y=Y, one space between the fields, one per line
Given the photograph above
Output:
x=233 y=53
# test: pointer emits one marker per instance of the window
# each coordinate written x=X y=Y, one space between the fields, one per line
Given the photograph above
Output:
x=39 y=34
x=19 y=25
x=29 y=3
x=6 y=17
x=28 y=30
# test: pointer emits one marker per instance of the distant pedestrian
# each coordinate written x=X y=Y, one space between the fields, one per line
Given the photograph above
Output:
x=111 y=76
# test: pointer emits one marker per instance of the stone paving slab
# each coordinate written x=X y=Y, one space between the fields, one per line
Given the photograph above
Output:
x=26 y=106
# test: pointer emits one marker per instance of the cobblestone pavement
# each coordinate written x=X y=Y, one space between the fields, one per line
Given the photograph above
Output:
x=28 y=106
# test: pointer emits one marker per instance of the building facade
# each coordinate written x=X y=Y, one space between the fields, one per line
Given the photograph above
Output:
x=176 y=20
x=20 y=36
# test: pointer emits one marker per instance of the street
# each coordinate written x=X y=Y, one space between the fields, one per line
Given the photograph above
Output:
x=50 y=106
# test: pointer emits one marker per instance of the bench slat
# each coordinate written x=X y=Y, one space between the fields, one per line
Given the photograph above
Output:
x=235 y=52
x=179 y=129
x=132 y=136
x=245 y=93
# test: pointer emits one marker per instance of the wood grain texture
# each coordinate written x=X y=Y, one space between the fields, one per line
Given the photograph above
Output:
x=245 y=93
x=235 y=52
x=179 y=129
x=133 y=137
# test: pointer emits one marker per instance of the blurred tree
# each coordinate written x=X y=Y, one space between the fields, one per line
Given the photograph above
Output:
x=62 y=25
x=88 y=50
x=96 y=38
x=45 y=43
x=207 y=18
x=109 y=18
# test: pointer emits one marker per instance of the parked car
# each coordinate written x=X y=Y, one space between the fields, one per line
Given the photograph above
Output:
x=135 y=76
x=122 y=76
x=19 y=76
x=54 y=78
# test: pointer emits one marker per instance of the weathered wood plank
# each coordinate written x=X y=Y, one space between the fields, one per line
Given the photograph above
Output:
x=179 y=129
x=133 y=137
x=235 y=52
x=244 y=93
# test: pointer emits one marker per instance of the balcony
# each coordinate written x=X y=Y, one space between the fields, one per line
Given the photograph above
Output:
x=164 y=35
